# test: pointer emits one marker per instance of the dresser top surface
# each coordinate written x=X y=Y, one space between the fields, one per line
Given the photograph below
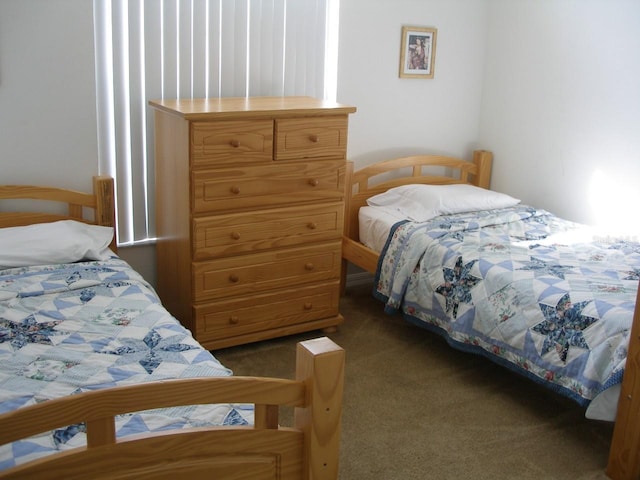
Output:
x=205 y=108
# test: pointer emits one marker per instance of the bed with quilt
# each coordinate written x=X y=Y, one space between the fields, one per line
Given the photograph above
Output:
x=545 y=297
x=79 y=325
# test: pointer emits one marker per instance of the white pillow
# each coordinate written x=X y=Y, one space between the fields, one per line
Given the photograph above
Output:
x=423 y=202
x=65 y=241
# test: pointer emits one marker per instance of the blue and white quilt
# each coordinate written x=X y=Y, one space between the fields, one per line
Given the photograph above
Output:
x=546 y=297
x=71 y=328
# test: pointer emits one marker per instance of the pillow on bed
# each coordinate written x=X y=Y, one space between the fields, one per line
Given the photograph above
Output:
x=423 y=202
x=65 y=241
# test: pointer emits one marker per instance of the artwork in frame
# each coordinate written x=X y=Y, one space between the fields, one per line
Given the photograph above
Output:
x=418 y=54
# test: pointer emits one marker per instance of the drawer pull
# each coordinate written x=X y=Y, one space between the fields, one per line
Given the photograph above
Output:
x=314 y=138
x=233 y=320
x=309 y=266
x=308 y=306
x=312 y=226
x=234 y=278
x=235 y=143
x=235 y=235
x=235 y=190
x=314 y=182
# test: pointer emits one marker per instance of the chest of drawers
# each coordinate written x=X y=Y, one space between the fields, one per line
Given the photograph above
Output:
x=249 y=210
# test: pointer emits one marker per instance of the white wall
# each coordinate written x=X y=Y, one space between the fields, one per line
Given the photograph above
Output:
x=47 y=93
x=398 y=116
x=561 y=104
x=550 y=86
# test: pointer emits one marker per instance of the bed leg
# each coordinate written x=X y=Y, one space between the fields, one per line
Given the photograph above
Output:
x=624 y=455
x=331 y=329
x=320 y=364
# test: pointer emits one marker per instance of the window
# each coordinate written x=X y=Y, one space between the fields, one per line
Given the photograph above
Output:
x=196 y=48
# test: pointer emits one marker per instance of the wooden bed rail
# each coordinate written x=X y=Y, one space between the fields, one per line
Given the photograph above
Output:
x=308 y=450
x=624 y=455
x=100 y=202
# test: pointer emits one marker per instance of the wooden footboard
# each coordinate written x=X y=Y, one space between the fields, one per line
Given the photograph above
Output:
x=307 y=450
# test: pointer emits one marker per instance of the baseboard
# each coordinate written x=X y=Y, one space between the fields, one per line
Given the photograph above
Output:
x=359 y=278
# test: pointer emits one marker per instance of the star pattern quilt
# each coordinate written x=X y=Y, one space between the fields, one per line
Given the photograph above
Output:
x=546 y=297
x=71 y=328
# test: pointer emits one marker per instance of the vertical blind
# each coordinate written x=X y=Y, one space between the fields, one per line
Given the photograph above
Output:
x=189 y=49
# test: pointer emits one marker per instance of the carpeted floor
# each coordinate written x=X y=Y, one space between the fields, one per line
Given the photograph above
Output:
x=415 y=408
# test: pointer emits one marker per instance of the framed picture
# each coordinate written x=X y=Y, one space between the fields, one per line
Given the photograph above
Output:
x=418 y=53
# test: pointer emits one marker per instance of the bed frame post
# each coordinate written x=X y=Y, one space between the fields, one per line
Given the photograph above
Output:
x=320 y=365
x=483 y=160
x=624 y=455
x=348 y=193
x=105 y=201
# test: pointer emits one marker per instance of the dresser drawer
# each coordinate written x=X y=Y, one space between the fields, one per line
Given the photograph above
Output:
x=231 y=143
x=267 y=185
x=255 y=313
x=311 y=137
x=244 y=274
x=222 y=235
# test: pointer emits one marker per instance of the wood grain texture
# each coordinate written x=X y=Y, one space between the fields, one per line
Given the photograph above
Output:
x=231 y=143
x=249 y=189
x=271 y=270
x=258 y=316
x=266 y=229
x=249 y=107
x=321 y=417
x=173 y=215
x=301 y=138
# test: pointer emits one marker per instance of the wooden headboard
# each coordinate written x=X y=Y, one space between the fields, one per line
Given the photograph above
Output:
x=97 y=208
x=380 y=177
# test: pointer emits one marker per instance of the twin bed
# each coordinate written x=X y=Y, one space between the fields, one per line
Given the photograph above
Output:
x=546 y=298
x=97 y=380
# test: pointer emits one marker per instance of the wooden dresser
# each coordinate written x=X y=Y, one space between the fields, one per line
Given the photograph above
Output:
x=249 y=209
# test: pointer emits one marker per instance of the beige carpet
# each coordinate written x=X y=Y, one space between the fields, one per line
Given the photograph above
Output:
x=415 y=408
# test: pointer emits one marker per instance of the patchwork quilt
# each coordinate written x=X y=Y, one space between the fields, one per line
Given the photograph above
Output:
x=71 y=328
x=546 y=297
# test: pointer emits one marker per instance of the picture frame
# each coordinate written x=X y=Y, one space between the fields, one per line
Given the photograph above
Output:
x=418 y=52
